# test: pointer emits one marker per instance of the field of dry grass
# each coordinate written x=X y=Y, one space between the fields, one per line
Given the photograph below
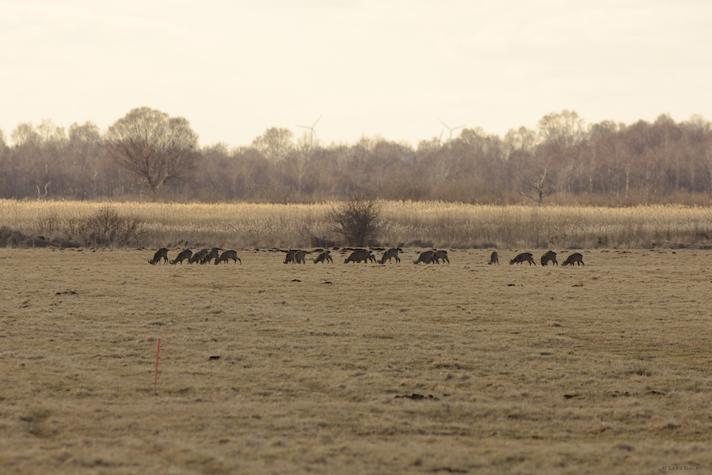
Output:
x=595 y=369
x=442 y=224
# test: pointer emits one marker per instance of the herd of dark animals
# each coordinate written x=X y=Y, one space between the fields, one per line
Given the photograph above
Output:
x=358 y=255
x=203 y=256
x=548 y=257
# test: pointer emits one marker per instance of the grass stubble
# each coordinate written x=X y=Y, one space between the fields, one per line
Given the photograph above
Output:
x=596 y=369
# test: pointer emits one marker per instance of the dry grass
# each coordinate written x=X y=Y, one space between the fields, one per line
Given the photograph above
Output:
x=442 y=224
x=596 y=369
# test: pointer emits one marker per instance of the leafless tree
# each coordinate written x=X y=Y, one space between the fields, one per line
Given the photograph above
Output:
x=153 y=146
x=562 y=161
x=538 y=186
x=42 y=191
x=275 y=143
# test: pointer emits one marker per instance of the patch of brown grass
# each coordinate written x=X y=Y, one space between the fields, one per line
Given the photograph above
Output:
x=528 y=372
x=437 y=223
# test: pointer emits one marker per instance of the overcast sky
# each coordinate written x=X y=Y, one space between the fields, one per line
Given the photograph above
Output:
x=388 y=68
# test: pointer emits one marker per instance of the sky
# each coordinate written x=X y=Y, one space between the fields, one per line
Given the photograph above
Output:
x=393 y=69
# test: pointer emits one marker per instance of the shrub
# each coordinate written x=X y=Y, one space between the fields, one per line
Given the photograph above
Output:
x=357 y=221
x=48 y=224
x=12 y=237
x=106 y=227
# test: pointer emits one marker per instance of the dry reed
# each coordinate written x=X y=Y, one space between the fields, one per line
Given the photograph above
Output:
x=416 y=223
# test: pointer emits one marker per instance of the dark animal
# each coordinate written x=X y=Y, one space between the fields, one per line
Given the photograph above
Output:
x=162 y=253
x=549 y=256
x=185 y=254
x=360 y=255
x=494 y=258
x=295 y=256
x=323 y=257
x=523 y=257
x=441 y=255
x=226 y=256
x=391 y=253
x=426 y=257
x=214 y=253
x=198 y=256
x=575 y=258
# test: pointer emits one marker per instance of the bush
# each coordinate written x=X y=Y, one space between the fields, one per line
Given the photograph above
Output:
x=12 y=237
x=357 y=221
x=106 y=227
x=48 y=224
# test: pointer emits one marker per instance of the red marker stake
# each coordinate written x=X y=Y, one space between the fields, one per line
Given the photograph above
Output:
x=158 y=361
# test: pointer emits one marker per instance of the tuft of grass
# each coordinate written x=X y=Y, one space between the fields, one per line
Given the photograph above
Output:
x=35 y=421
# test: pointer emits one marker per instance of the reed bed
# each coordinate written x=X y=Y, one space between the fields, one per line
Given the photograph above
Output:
x=428 y=223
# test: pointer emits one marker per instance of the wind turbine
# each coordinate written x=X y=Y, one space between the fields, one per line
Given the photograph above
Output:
x=311 y=130
x=451 y=129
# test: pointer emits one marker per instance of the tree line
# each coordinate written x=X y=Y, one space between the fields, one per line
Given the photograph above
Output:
x=149 y=155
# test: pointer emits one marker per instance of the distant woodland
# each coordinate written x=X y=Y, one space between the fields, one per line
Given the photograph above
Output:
x=149 y=155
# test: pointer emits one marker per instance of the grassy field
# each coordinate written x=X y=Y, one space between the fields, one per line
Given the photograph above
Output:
x=441 y=224
x=596 y=369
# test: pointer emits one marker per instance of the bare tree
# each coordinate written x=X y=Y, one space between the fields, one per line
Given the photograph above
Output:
x=42 y=191
x=152 y=145
x=539 y=186
x=562 y=160
x=25 y=133
x=564 y=129
x=275 y=143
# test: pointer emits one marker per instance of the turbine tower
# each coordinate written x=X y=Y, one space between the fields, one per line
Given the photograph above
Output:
x=451 y=129
x=310 y=128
